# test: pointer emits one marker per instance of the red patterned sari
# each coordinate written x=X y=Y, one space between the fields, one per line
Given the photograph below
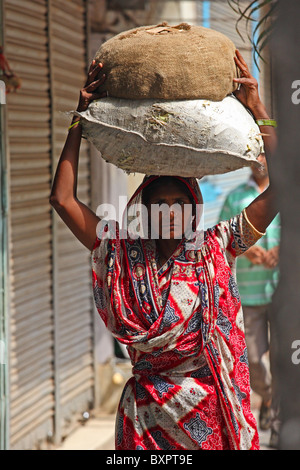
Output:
x=183 y=327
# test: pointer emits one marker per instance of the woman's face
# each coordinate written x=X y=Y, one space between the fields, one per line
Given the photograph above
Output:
x=169 y=211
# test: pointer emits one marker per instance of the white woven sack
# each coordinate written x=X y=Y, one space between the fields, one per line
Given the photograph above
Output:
x=186 y=138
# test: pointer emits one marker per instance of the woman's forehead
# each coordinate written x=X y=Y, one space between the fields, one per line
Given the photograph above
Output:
x=170 y=187
x=159 y=185
x=169 y=191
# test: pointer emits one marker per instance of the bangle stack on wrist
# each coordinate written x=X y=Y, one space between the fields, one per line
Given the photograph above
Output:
x=74 y=124
x=266 y=122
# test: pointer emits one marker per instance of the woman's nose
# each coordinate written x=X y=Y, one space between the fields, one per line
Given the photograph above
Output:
x=173 y=213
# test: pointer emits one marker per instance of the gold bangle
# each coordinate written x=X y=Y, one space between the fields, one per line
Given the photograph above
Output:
x=261 y=234
x=74 y=124
x=266 y=122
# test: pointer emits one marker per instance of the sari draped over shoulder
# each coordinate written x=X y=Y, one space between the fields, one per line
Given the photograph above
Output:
x=183 y=327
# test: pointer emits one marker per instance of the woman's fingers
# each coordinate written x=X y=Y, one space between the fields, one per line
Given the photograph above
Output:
x=95 y=84
x=91 y=68
x=248 y=81
x=242 y=65
x=92 y=65
x=89 y=92
x=93 y=71
x=240 y=59
x=244 y=69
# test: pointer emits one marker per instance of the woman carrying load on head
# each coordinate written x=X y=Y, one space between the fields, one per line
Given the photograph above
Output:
x=173 y=300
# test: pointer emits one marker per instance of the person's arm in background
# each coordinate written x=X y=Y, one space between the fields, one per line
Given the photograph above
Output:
x=81 y=220
x=272 y=258
x=263 y=209
x=256 y=254
x=226 y=211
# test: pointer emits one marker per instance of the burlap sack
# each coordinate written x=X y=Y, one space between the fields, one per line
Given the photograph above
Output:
x=187 y=138
x=169 y=62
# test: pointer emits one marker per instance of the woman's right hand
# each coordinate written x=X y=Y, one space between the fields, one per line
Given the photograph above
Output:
x=81 y=220
x=89 y=92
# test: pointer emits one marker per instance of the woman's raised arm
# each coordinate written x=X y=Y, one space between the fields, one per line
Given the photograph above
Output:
x=81 y=220
x=263 y=209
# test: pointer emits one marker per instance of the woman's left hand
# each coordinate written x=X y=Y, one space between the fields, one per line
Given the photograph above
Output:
x=247 y=93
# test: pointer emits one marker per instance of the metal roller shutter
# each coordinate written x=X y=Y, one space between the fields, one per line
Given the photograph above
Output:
x=31 y=317
x=72 y=279
x=51 y=317
x=223 y=19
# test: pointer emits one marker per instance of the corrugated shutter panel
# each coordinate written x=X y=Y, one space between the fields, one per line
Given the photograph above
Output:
x=51 y=316
x=31 y=345
x=223 y=19
x=73 y=300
